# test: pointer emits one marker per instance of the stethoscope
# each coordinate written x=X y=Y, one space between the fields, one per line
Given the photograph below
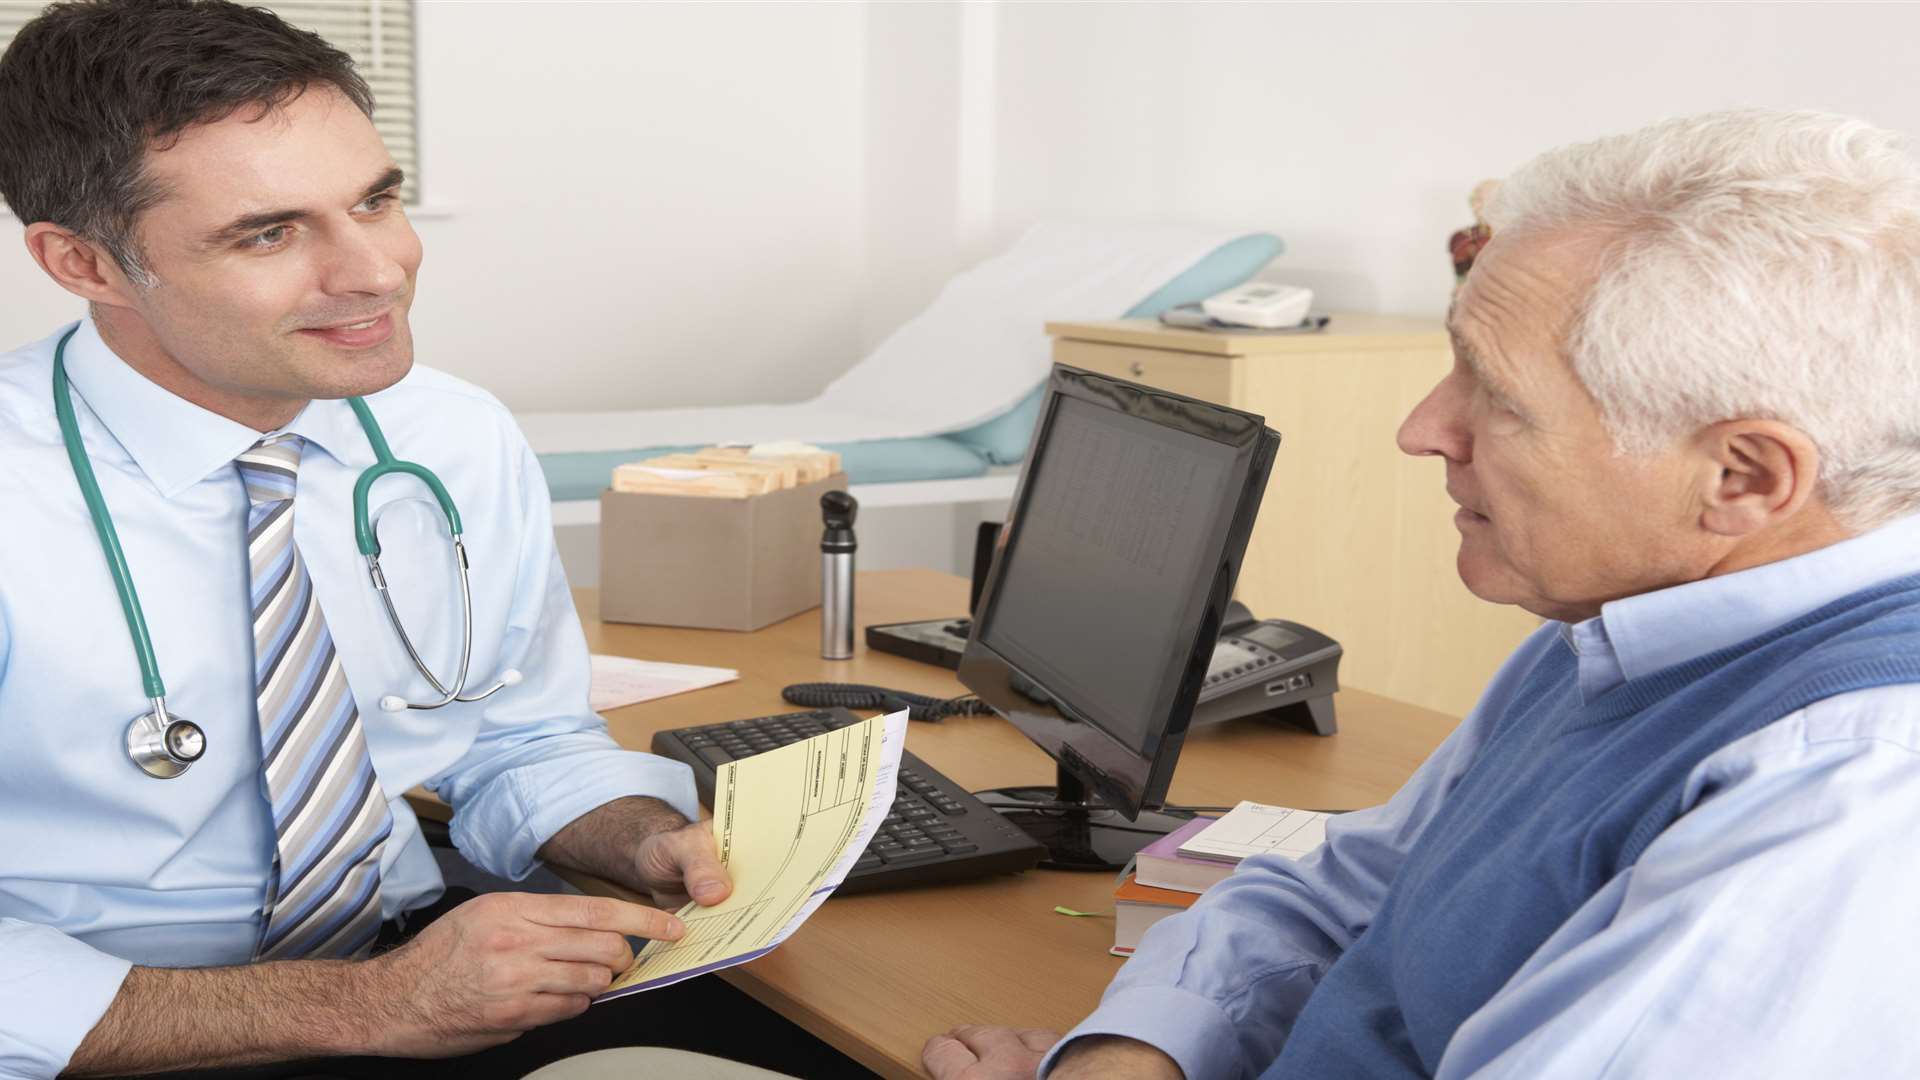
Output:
x=165 y=745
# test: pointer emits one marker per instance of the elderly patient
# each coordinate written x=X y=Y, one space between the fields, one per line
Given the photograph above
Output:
x=1676 y=836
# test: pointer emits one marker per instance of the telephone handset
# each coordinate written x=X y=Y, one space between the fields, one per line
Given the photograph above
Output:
x=1270 y=665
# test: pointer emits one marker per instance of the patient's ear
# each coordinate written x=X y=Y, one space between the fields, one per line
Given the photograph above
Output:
x=1756 y=473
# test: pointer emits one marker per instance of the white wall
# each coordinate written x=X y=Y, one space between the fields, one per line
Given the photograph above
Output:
x=663 y=204
x=633 y=192
x=1355 y=131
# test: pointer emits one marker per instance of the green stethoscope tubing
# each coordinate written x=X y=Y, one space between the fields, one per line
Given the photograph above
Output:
x=385 y=464
x=103 y=523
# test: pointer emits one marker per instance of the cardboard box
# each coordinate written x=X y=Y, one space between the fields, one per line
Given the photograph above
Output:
x=711 y=563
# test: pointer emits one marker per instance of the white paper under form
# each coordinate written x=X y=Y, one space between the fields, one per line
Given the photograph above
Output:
x=1253 y=828
x=621 y=680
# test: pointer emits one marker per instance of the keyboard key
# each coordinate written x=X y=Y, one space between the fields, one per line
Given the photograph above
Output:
x=715 y=756
x=906 y=858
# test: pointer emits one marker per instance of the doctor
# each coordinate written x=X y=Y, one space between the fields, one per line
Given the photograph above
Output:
x=207 y=180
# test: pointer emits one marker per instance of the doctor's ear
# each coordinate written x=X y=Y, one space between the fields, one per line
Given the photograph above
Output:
x=77 y=265
x=1758 y=473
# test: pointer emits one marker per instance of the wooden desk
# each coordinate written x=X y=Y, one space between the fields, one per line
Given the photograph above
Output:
x=875 y=975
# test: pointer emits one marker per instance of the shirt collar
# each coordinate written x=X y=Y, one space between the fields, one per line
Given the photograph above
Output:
x=330 y=424
x=176 y=443
x=1640 y=635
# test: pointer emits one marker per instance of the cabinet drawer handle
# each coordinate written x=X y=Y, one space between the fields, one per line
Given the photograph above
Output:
x=1137 y=368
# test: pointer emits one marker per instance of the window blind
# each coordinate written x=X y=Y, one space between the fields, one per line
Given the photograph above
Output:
x=378 y=34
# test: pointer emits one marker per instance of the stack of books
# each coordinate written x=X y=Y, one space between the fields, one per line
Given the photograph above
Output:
x=1170 y=873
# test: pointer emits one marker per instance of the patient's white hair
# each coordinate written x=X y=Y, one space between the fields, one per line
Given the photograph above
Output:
x=1767 y=266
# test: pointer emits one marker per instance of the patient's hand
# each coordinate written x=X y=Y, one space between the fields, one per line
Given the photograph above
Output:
x=996 y=1053
x=973 y=1052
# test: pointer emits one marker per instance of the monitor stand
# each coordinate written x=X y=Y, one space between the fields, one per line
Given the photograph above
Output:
x=1078 y=831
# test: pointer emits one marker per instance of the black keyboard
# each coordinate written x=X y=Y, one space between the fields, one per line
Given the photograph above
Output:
x=937 y=831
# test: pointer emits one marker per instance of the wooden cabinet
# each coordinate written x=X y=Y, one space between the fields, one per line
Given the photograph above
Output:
x=1354 y=538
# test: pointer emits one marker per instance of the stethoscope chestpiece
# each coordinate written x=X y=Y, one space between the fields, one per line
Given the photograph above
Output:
x=164 y=746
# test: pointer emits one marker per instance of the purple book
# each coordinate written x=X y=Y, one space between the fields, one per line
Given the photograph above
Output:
x=1161 y=865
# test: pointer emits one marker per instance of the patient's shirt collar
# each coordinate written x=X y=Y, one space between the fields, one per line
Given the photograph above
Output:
x=1640 y=635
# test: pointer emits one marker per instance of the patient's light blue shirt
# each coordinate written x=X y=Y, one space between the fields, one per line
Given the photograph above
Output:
x=1769 y=931
x=101 y=865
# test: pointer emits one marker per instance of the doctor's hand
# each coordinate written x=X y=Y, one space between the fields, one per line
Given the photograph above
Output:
x=682 y=864
x=499 y=965
x=647 y=846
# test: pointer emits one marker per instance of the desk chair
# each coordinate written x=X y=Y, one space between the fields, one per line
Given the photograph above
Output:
x=650 y=1061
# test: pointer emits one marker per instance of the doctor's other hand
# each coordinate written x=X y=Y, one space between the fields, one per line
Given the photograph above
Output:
x=676 y=865
x=500 y=965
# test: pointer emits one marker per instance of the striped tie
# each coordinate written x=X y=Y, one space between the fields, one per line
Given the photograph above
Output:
x=330 y=817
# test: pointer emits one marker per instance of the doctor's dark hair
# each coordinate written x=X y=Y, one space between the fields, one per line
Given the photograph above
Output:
x=90 y=85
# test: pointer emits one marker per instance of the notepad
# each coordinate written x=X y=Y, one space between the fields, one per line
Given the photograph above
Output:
x=621 y=680
x=1253 y=828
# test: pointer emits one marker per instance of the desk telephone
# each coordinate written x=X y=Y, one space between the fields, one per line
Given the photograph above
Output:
x=1270 y=665
x=1259 y=666
x=1262 y=666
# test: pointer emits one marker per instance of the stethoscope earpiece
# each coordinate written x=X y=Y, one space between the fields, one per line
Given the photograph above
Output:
x=394 y=703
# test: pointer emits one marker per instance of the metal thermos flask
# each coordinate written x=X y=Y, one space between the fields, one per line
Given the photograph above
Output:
x=837 y=509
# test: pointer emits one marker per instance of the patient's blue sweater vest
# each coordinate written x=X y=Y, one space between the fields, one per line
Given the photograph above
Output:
x=1560 y=799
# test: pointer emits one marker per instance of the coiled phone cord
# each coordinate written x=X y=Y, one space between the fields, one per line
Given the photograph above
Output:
x=858 y=696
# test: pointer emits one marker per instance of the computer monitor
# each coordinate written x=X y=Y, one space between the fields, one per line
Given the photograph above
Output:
x=1109 y=581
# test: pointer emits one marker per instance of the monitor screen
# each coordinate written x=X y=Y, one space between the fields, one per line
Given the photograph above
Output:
x=1111 y=578
x=1114 y=528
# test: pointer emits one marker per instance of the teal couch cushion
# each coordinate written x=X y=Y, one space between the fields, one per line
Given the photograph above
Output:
x=875 y=461
x=1003 y=440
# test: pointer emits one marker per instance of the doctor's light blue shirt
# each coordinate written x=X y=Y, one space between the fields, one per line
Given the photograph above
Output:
x=104 y=867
